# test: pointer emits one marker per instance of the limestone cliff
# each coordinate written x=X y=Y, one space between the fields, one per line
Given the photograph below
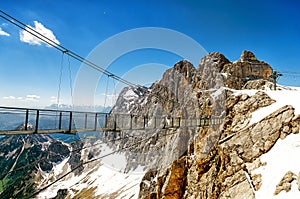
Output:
x=206 y=162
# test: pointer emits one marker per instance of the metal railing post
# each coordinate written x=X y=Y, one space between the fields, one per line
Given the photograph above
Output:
x=105 y=122
x=85 y=121
x=115 y=122
x=96 y=119
x=131 y=116
x=26 y=119
x=70 y=123
x=59 y=122
x=37 y=121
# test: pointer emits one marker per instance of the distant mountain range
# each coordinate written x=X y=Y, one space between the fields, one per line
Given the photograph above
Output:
x=79 y=108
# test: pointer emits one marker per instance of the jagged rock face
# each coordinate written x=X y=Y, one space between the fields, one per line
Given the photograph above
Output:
x=239 y=109
x=199 y=162
x=235 y=74
x=226 y=171
x=129 y=95
x=244 y=69
x=259 y=84
x=214 y=59
x=272 y=126
x=180 y=93
x=217 y=70
x=210 y=68
x=247 y=56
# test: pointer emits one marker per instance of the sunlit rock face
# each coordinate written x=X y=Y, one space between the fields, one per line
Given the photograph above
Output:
x=228 y=169
x=244 y=69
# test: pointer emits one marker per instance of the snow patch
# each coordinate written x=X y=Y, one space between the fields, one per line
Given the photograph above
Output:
x=241 y=92
x=58 y=169
x=282 y=98
x=109 y=181
x=283 y=157
x=106 y=176
x=130 y=95
x=217 y=93
x=287 y=96
x=224 y=75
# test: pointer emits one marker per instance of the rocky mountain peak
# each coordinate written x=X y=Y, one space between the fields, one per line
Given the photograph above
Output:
x=213 y=59
x=183 y=66
x=183 y=73
x=247 y=56
x=234 y=74
x=247 y=68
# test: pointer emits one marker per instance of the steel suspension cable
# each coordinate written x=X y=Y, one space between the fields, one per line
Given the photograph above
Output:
x=106 y=90
x=70 y=79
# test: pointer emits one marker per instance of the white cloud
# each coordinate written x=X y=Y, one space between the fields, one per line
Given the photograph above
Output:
x=32 y=40
x=32 y=98
x=53 y=99
x=9 y=97
x=108 y=95
x=27 y=98
x=3 y=33
x=12 y=98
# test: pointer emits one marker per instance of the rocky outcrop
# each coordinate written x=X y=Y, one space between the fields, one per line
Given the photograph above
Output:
x=239 y=109
x=61 y=194
x=217 y=71
x=260 y=84
x=247 y=68
x=179 y=94
x=285 y=183
x=210 y=68
x=226 y=171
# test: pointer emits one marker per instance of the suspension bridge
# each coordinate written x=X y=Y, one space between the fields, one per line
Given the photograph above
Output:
x=45 y=121
x=15 y=120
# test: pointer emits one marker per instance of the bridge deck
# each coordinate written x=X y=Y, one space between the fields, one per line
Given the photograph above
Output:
x=16 y=121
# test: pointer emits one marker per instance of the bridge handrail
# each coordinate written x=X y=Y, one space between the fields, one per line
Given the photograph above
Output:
x=51 y=110
x=111 y=121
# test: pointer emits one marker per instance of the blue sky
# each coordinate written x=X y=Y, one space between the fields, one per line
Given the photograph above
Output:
x=29 y=74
